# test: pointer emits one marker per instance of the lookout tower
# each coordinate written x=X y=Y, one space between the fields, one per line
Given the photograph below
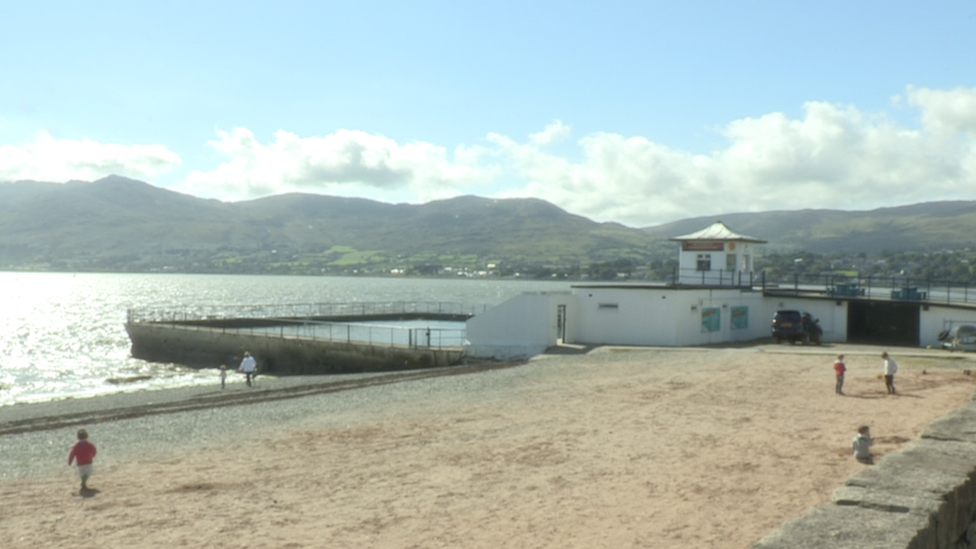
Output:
x=716 y=256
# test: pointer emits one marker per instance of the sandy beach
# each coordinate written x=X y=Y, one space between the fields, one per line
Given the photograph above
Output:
x=616 y=447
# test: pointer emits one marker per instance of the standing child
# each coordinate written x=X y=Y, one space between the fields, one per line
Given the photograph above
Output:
x=862 y=444
x=83 y=452
x=839 y=368
x=223 y=376
x=890 y=368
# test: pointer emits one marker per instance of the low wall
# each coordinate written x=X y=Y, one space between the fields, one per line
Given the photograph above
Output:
x=291 y=321
x=203 y=347
x=504 y=352
x=923 y=497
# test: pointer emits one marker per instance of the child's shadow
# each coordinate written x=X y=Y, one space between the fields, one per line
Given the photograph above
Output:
x=88 y=492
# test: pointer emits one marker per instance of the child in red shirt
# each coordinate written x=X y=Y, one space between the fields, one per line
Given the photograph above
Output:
x=84 y=452
x=840 y=369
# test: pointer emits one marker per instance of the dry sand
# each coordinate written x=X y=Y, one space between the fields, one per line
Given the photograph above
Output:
x=615 y=448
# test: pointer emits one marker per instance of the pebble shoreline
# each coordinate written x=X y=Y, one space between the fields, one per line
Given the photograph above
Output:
x=44 y=451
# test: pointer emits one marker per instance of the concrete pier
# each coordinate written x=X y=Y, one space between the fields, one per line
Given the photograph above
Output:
x=299 y=345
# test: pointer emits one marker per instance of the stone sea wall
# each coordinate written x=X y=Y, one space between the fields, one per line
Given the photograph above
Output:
x=923 y=497
x=203 y=347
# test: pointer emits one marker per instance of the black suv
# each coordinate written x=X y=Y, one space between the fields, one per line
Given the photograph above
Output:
x=795 y=326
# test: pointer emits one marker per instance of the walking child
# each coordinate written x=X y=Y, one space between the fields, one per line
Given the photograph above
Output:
x=862 y=444
x=839 y=369
x=248 y=367
x=83 y=452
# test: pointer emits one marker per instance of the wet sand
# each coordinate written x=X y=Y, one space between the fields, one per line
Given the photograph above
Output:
x=613 y=448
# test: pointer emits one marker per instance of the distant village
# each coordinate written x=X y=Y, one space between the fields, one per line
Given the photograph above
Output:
x=955 y=266
x=958 y=267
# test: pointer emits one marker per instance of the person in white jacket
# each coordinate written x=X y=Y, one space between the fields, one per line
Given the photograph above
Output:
x=248 y=367
x=890 y=368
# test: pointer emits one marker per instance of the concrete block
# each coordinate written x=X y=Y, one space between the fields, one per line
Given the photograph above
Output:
x=860 y=496
x=959 y=425
x=933 y=477
x=843 y=527
x=923 y=467
x=971 y=535
x=921 y=498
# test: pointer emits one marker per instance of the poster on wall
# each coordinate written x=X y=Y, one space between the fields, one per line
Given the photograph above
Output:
x=740 y=318
x=711 y=320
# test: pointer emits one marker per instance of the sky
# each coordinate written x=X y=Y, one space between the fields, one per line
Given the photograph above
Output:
x=640 y=112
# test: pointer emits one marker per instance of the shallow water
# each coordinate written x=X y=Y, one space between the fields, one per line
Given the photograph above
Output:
x=62 y=335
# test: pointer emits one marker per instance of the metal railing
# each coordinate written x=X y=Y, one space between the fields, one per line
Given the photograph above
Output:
x=895 y=288
x=716 y=277
x=300 y=310
x=344 y=332
x=296 y=321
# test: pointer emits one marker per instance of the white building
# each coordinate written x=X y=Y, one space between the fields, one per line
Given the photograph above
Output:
x=715 y=255
x=715 y=299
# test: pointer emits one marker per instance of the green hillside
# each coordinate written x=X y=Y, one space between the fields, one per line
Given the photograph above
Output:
x=118 y=224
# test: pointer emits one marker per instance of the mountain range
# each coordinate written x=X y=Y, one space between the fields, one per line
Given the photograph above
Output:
x=120 y=224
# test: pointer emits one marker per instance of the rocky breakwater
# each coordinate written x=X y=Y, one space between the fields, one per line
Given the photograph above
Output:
x=923 y=497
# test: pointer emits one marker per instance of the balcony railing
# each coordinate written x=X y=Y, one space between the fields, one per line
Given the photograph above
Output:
x=896 y=288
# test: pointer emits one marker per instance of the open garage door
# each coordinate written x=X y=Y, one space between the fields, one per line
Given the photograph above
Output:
x=883 y=323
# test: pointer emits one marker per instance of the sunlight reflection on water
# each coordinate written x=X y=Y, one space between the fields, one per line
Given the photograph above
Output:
x=63 y=335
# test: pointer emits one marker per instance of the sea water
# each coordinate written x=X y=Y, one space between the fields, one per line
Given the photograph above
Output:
x=63 y=335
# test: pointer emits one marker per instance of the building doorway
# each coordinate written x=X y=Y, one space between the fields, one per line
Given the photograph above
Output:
x=560 y=324
x=883 y=323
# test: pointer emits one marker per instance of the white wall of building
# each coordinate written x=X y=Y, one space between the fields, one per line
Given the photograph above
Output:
x=624 y=316
x=644 y=315
x=721 y=271
x=938 y=318
x=521 y=327
x=724 y=303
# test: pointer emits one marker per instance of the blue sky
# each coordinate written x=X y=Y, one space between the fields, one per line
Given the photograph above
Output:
x=636 y=112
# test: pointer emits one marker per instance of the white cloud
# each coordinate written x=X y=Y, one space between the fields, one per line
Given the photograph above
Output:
x=952 y=110
x=631 y=180
x=552 y=133
x=344 y=162
x=58 y=160
x=833 y=157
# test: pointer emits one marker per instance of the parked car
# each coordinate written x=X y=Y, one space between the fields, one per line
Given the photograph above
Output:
x=960 y=336
x=793 y=326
